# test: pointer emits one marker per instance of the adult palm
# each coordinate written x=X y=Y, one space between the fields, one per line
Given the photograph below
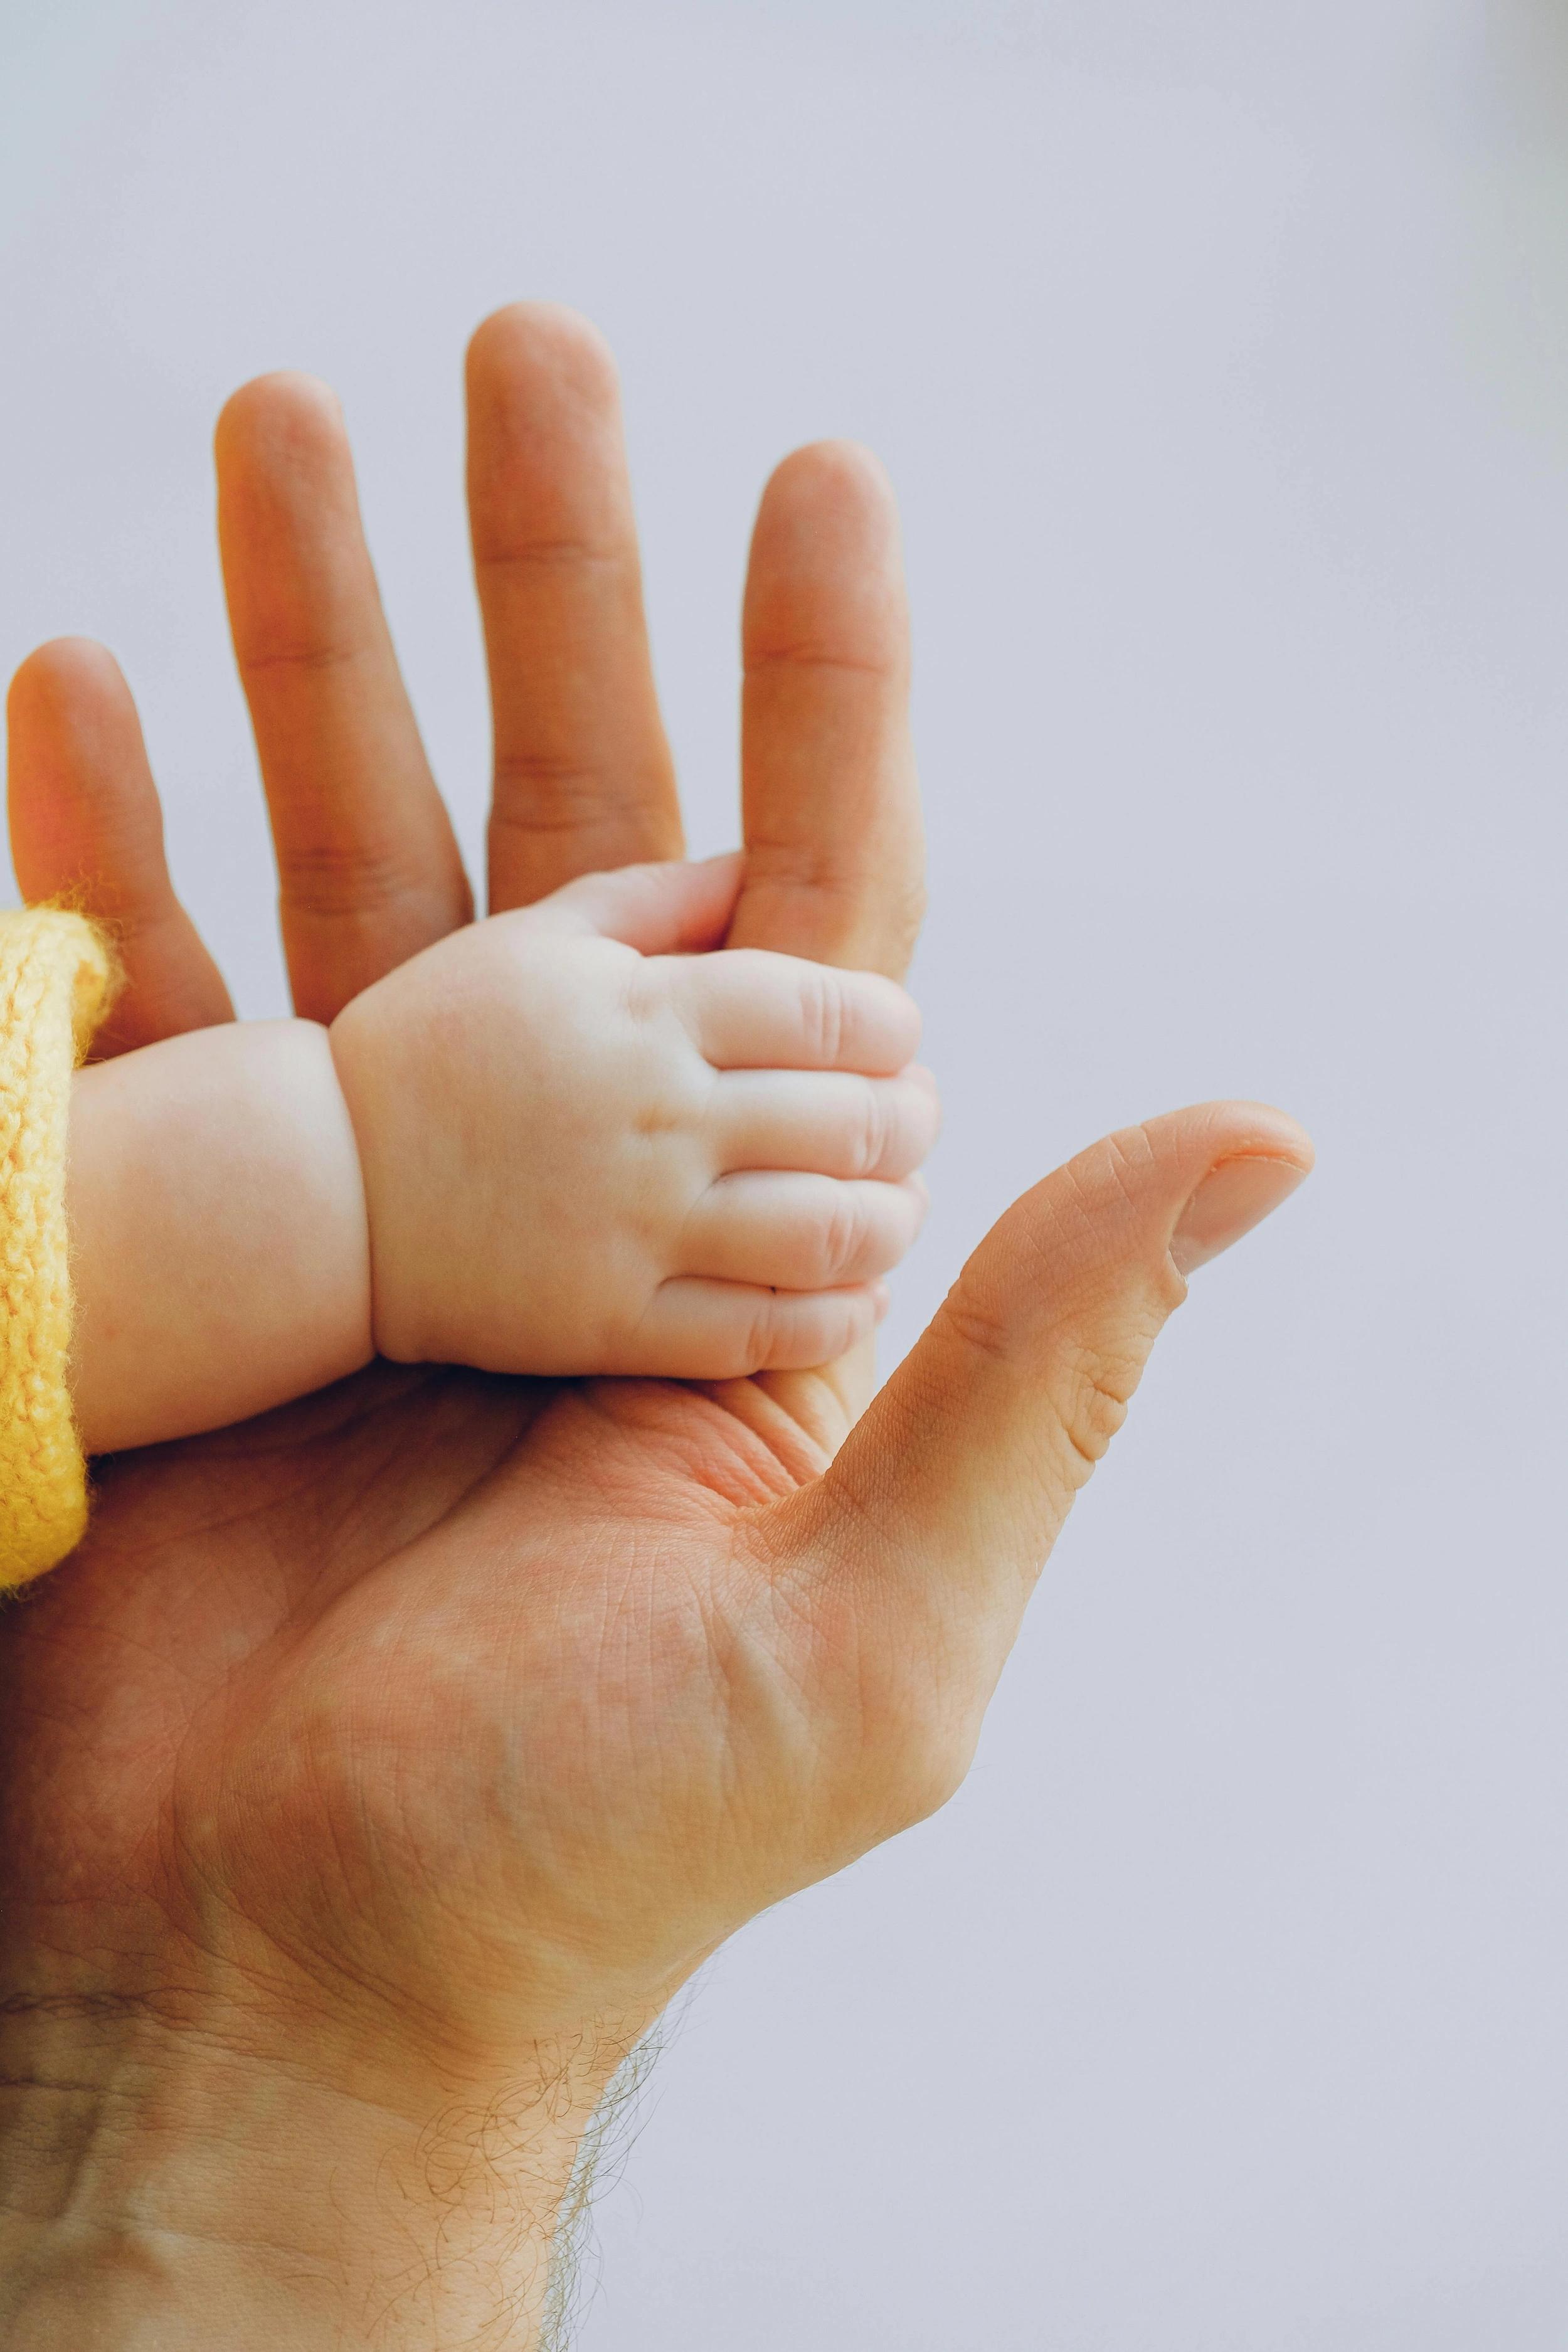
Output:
x=437 y=1726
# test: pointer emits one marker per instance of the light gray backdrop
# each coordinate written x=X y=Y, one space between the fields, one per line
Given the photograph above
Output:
x=1219 y=349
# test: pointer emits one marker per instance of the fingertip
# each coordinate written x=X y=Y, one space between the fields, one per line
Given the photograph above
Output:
x=908 y=1013
x=824 y=1326
x=719 y=877
x=839 y=484
x=801 y=1329
x=1265 y=1130
x=285 y=475
x=664 y=907
x=1246 y=1158
x=866 y=1312
x=547 y=339
x=930 y=1095
x=1236 y=1194
x=46 y=683
x=706 y=1328
x=81 y=798
x=889 y=1037
x=825 y=578
x=287 y=411
x=86 y=827
x=1191 y=1181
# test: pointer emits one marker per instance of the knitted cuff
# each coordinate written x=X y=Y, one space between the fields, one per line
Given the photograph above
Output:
x=55 y=978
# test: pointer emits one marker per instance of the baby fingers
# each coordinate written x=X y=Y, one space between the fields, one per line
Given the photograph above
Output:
x=749 y=1010
x=832 y=1122
x=698 y=1330
x=801 y=1232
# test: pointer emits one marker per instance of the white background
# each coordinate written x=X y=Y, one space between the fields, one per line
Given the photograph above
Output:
x=1219 y=349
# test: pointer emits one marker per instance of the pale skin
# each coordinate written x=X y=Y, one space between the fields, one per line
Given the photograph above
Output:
x=562 y=1140
x=378 y=1770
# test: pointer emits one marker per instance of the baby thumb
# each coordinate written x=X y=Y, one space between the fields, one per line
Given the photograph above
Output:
x=679 y=908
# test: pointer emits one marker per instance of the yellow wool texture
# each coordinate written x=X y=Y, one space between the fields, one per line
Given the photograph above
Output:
x=55 y=978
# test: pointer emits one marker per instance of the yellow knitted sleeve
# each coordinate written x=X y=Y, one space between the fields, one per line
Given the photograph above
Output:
x=55 y=983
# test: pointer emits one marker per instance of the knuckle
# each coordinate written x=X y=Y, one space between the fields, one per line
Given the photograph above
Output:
x=648 y=996
x=549 y=551
x=1094 y=1394
x=874 y=1138
x=851 y=907
x=822 y=655
x=822 y=1014
x=760 y=1337
x=537 y=791
x=985 y=1328
x=1089 y=1388
x=330 y=878
x=307 y=658
x=842 y=1234
x=900 y=1700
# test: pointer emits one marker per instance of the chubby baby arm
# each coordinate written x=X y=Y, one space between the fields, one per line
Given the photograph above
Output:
x=220 y=1257
x=587 y=1149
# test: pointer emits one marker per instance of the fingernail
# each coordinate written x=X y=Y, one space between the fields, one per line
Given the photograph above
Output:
x=1231 y=1199
x=882 y=1299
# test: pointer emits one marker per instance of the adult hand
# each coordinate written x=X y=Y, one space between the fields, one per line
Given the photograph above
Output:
x=376 y=1771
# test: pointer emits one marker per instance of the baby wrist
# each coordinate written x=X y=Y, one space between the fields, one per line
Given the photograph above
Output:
x=218 y=1226
x=380 y=1064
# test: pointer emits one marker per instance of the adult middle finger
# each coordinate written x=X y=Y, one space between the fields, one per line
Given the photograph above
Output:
x=583 y=779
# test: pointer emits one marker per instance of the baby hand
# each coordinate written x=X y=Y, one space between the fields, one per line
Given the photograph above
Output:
x=587 y=1148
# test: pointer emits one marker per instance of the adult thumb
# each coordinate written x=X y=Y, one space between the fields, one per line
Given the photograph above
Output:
x=951 y=1491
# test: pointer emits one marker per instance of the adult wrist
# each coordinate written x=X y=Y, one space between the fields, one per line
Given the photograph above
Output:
x=185 y=2171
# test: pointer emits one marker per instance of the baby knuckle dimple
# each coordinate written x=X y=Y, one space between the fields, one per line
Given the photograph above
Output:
x=650 y=998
